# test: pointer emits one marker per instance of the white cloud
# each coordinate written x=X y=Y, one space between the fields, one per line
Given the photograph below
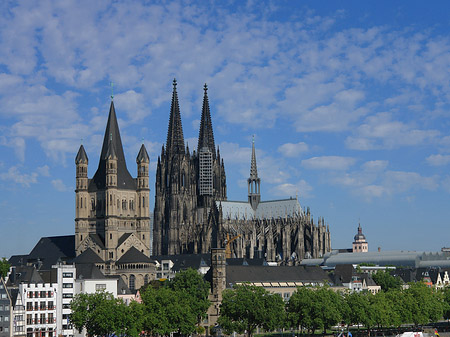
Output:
x=59 y=185
x=382 y=132
x=438 y=159
x=133 y=104
x=44 y=171
x=301 y=189
x=14 y=175
x=328 y=163
x=293 y=150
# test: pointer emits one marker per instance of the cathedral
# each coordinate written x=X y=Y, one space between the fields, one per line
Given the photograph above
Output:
x=192 y=213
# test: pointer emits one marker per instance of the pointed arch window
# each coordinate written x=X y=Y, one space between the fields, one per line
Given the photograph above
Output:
x=132 y=282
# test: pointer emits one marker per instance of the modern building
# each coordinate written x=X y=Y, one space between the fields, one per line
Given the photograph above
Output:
x=192 y=210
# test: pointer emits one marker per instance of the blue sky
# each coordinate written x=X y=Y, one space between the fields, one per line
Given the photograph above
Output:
x=348 y=102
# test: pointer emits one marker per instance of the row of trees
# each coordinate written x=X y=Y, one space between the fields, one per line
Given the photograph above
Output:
x=246 y=307
x=181 y=304
x=178 y=306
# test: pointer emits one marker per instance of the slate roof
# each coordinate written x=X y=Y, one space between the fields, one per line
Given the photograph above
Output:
x=97 y=239
x=246 y=262
x=18 y=260
x=185 y=261
x=81 y=156
x=123 y=238
x=88 y=271
x=344 y=273
x=24 y=274
x=266 y=209
x=134 y=256
x=112 y=142
x=49 y=250
x=88 y=256
x=310 y=274
x=142 y=155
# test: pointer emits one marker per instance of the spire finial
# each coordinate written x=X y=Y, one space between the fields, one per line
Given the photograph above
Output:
x=174 y=83
x=142 y=140
x=81 y=141
x=112 y=90
x=253 y=139
x=110 y=136
x=205 y=87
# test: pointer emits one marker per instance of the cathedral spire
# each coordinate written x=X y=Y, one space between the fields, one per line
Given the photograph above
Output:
x=253 y=168
x=206 y=136
x=254 y=183
x=112 y=144
x=175 y=138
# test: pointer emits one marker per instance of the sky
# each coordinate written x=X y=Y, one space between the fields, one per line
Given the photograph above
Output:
x=348 y=102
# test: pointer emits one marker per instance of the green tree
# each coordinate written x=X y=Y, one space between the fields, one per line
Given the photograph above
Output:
x=446 y=302
x=167 y=310
x=102 y=314
x=423 y=303
x=4 y=267
x=357 y=308
x=386 y=281
x=246 y=307
x=299 y=308
x=196 y=288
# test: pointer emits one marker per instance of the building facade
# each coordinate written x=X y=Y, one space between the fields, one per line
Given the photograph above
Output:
x=192 y=213
x=5 y=310
x=112 y=220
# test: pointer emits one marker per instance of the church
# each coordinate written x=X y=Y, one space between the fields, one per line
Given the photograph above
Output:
x=192 y=213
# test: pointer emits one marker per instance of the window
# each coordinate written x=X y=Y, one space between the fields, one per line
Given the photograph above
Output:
x=50 y=317
x=36 y=306
x=3 y=295
x=67 y=274
x=6 y=307
x=36 y=294
x=42 y=319
x=30 y=294
x=67 y=295
x=132 y=281
x=165 y=266
x=67 y=285
x=146 y=280
x=42 y=306
x=49 y=294
x=6 y=318
x=66 y=305
x=29 y=306
x=50 y=305
x=100 y=286
x=111 y=255
x=18 y=318
x=42 y=294
x=124 y=204
x=1 y=307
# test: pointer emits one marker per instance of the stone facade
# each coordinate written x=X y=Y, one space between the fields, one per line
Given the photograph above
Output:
x=112 y=215
x=192 y=213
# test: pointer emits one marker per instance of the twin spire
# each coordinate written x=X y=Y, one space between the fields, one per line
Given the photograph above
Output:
x=206 y=135
x=175 y=138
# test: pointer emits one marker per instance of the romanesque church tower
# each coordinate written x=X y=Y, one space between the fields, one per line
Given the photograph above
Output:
x=112 y=211
x=186 y=186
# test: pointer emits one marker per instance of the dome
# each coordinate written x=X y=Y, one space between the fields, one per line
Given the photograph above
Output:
x=360 y=236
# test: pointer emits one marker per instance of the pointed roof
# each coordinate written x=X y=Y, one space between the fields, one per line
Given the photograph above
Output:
x=253 y=168
x=112 y=144
x=175 y=138
x=142 y=156
x=81 y=156
x=205 y=135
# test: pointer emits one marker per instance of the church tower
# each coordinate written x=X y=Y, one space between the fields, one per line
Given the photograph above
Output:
x=254 y=183
x=112 y=208
x=186 y=186
x=175 y=189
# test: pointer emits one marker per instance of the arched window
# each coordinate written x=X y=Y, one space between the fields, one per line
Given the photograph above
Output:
x=146 y=280
x=132 y=283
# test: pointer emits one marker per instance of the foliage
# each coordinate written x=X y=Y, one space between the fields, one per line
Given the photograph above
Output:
x=357 y=308
x=4 y=267
x=102 y=314
x=386 y=281
x=446 y=302
x=246 y=307
x=315 y=308
x=177 y=305
x=195 y=287
x=423 y=303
